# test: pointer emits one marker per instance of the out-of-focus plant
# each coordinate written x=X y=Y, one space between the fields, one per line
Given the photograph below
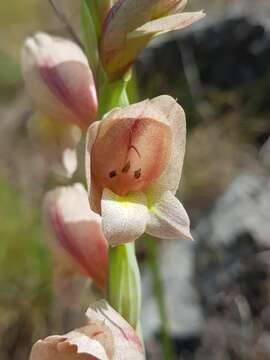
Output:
x=134 y=159
x=72 y=226
x=49 y=66
x=107 y=336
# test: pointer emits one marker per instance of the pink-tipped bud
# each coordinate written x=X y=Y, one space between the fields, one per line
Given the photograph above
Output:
x=131 y=24
x=77 y=229
x=107 y=336
x=59 y=79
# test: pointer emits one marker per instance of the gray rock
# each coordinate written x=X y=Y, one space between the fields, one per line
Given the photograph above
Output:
x=244 y=208
x=184 y=314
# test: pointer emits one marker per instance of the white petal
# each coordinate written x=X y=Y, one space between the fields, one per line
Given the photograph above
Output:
x=124 y=218
x=85 y=345
x=68 y=347
x=138 y=110
x=70 y=161
x=176 y=119
x=166 y=24
x=127 y=345
x=169 y=219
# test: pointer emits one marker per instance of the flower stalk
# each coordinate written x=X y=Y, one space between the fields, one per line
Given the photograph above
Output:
x=124 y=293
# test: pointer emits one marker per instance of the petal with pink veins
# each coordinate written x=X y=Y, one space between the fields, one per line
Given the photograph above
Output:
x=130 y=153
x=78 y=230
x=107 y=336
x=59 y=79
x=168 y=219
x=165 y=24
x=176 y=120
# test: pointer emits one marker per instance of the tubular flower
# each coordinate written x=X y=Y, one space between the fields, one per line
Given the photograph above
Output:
x=134 y=160
x=77 y=230
x=131 y=24
x=107 y=336
x=59 y=79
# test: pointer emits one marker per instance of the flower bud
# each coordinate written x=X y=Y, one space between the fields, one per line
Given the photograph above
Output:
x=107 y=336
x=131 y=24
x=77 y=229
x=59 y=79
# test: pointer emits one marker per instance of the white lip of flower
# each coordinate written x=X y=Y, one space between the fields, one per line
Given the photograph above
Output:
x=106 y=337
x=59 y=80
x=153 y=209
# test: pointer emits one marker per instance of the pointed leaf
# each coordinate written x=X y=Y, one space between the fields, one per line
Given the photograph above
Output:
x=166 y=24
x=89 y=34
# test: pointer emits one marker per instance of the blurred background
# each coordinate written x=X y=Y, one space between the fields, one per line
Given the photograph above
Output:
x=217 y=289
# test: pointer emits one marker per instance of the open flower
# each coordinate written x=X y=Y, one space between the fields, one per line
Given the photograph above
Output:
x=77 y=230
x=131 y=24
x=107 y=336
x=59 y=79
x=134 y=161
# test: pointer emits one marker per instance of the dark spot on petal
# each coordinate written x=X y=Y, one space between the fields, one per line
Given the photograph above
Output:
x=126 y=167
x=112 y=174
x=137 y=173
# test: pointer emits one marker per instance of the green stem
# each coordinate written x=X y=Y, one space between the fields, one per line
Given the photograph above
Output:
x=152 y=257
x=124 y=293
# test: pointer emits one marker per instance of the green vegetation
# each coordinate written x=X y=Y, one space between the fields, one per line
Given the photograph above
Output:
x=24 y=262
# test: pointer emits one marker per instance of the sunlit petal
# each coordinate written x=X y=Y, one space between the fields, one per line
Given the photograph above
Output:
x=166 y=24
x=168 y=218
x=78 y=230
x=124 y=219
x=58 y=79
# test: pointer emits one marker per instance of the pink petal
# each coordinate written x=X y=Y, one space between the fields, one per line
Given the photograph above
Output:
x=176 y=119
x=59 y=80
x=78 y=230
x=107 y=337
x=130 y=153
x=127 y=345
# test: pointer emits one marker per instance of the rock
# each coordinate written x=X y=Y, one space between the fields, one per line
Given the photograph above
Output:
x=184 y=313
x=233 y=271
x=244 y=208
x=225 y=55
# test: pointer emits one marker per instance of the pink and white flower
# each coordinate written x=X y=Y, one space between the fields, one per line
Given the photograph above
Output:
x=131 y=24
x=134 y=160
x=107 y=336
x=59 y=79
x=76 y=232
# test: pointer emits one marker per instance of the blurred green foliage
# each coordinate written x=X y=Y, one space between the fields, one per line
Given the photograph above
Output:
x=24 y=262
x=10 y=76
